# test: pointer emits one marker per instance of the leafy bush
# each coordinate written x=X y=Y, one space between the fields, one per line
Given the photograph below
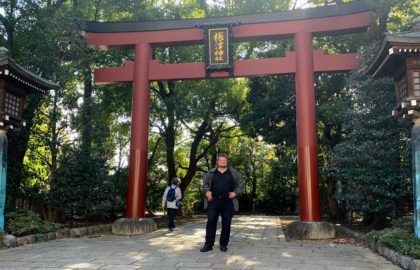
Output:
x=373 y=164
x=82 y=185
x=21 y=222
x=400 y=237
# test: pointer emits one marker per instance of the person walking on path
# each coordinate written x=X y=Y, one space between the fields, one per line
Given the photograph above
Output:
x=170 y=200
x=222 y=186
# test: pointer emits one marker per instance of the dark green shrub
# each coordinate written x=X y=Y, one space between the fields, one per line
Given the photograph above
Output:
x=82 y=186
x=400 y=237
x=21 y=222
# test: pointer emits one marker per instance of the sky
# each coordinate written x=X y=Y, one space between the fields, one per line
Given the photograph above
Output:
x=299 y=4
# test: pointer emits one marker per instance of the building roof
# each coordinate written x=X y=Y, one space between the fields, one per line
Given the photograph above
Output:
x=395 y=47
x=280 y=16
x=35 y=83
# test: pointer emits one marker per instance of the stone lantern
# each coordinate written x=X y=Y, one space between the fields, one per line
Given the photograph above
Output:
x=16 y=83
x=399 y=58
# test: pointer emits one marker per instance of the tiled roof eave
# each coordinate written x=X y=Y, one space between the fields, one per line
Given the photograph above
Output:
x=406 y=40
x=37 y=83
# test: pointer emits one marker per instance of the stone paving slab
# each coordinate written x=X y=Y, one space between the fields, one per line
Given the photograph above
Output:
x=257 y=243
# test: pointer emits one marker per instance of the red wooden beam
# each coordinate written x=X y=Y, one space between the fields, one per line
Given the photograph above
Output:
x=115 y=74
x=192 y=35
x=320 y=26
x=242 y=68
x=274 y=30
x=162 y=72
x=335 y=62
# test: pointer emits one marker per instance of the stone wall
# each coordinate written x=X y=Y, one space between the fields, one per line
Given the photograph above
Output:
x=8 y=241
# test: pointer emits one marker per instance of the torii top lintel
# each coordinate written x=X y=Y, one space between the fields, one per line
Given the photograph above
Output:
x=329 y=20
x=321 y=21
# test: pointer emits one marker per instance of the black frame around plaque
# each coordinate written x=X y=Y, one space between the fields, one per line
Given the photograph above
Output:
x=226 y=65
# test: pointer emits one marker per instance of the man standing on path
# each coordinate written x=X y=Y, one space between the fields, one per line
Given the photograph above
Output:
x=222 y=187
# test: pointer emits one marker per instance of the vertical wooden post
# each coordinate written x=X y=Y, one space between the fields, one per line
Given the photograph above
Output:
x=3 y=173
x=136 y=194
x=415 y=137
x=309 y=202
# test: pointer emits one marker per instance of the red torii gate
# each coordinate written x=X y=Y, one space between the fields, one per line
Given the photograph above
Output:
x=301 y=25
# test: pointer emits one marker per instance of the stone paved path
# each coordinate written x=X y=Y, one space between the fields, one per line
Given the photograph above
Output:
x=257 y=242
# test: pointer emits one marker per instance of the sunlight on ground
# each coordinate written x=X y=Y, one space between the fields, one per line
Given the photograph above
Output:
x=286 y=220
x=82 y=265
x=241 y=260
x=286 y=255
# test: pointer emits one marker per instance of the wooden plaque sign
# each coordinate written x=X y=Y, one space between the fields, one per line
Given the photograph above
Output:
x=218 y=48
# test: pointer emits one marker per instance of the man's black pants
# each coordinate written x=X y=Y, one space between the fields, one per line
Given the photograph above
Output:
x=216 y=207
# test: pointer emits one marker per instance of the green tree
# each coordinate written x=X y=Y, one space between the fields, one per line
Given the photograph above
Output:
x=372 y=164
x=17 y=14
x=187 y=108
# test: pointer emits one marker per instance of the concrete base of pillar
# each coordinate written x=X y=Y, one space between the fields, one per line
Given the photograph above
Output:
x=310 y=230
x=133 y=226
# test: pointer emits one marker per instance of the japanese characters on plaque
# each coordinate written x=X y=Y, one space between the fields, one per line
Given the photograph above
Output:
x=218 y=48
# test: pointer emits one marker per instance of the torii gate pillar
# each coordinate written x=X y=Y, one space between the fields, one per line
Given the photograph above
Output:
x=306 y=129
x=136 y=196
x=134 y=223
x=310 y=225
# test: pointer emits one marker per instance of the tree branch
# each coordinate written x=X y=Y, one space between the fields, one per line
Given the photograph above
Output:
x=155 y=90
x=150 y=160
x=186 y=125
x=197 y=168
x=162 y=91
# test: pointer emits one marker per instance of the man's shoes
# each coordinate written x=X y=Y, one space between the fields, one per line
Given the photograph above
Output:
x=223 y=248
x=206 y=248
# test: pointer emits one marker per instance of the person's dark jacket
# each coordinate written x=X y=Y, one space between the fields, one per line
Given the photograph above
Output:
x=239 y=186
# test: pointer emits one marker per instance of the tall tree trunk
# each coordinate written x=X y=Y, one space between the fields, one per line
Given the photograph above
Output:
x=254 y=184
x=192 y=168
x=213 y=161
x=10 y=38
x=54 y=140
x=332 y=202
x=87 y=114
x=382 y=8
x=170 y=131
x=169 y=127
